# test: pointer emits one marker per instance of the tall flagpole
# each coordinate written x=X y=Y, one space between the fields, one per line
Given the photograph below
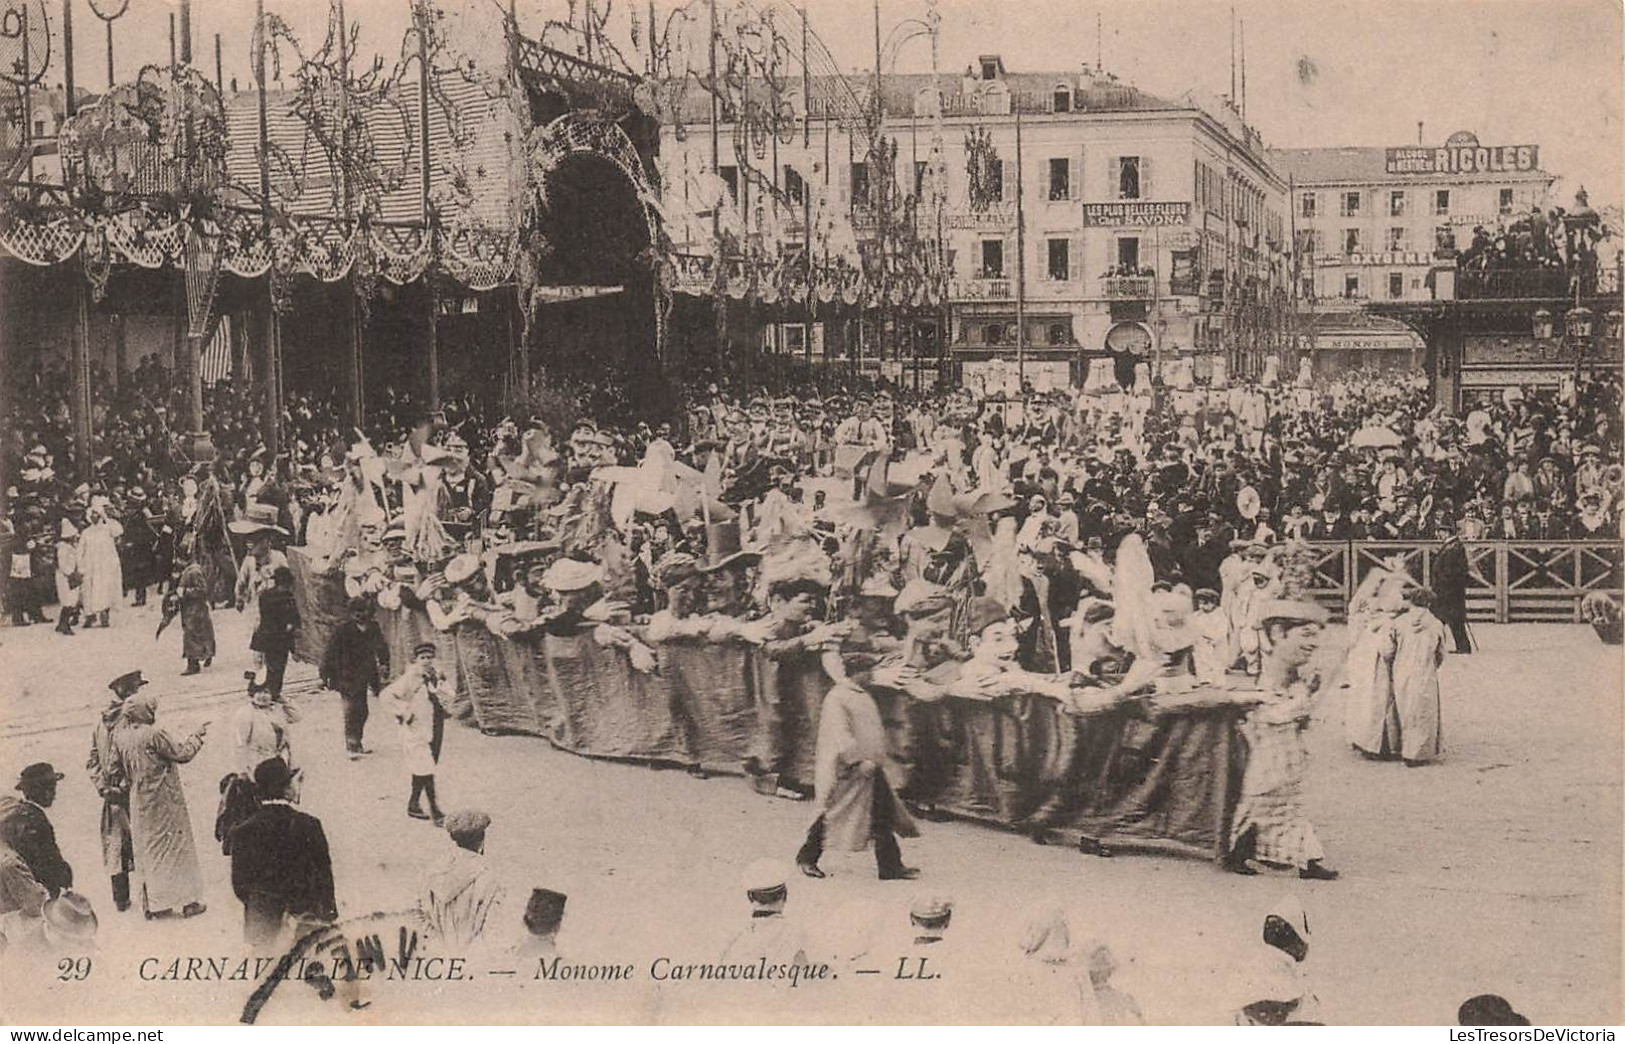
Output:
x=1021 y=264
x=433 y=331
x=271 y=420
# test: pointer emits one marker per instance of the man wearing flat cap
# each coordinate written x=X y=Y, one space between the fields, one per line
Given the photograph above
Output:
x=26 y=830
x=460 y=897
x=418 y=700
x=1269 y=822
x=769 y=934
x=112 y=782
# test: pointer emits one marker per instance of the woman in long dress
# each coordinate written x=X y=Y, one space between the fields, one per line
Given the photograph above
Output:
x=1419 y=650
x=1370 y=722
x=197 y=625
x=165 y=853
x=99 y=564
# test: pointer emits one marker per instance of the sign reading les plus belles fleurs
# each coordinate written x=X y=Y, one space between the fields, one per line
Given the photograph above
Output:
x=1464 y=159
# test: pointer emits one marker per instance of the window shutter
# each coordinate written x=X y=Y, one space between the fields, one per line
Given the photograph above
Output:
x=1009 y=187
x=1146 y=190
x=1074 y=169
x=1010 y=256
x=1110 y=177
x=1074 y=258
x=844 y=180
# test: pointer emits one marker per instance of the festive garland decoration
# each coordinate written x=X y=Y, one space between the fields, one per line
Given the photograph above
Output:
x=981 y=158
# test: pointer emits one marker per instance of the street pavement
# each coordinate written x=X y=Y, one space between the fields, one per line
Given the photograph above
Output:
x=1496 y=870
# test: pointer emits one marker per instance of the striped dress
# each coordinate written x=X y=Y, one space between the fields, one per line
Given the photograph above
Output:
x=1271 y=802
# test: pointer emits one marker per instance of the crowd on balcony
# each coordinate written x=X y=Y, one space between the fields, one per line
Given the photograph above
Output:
x=1539 y=254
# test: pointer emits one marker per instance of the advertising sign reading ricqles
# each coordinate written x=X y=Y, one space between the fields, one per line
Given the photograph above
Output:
x=1464 y=159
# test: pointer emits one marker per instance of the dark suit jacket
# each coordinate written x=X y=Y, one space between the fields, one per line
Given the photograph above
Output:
x=25 y=829
x=280 y=863
x=279 y=622
x=1450 y=574
x=356 y=657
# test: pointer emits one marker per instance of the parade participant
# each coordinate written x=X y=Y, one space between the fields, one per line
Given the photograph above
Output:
x=1212 y=633
x=727 y=569
x=418 y=701
x=279 y=621
x=355 y=663
x=1419 y=651
x=677 y=575
x=26 y=829
x=141 y=539
x=69 y=579
x=857 y=803
x=103 y=586
x=1279 y=992
x=1269 y=822
x=161 y=826
x=22 y=587
x=197 y=625
x=259 y=565
x=112 y=783
x=281 y=870
x=769 y=935
x=260 y=730
x=460 y=898
x=1371 y=722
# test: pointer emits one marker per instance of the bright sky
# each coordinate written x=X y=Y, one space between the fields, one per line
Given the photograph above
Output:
x=1319 y=72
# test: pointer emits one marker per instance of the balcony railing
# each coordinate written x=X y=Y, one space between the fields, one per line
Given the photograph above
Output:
x=1129 y=288
x=1515 y=282
x=981 y=290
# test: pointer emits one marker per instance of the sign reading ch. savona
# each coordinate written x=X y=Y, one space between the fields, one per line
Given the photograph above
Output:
x=1464 y=159
x=1132 y=213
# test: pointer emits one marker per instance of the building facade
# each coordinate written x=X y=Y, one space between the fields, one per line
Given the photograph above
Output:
x=1150 y=226
x=1372 y=223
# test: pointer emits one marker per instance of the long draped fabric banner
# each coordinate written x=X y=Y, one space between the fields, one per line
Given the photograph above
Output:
x=1166 y=781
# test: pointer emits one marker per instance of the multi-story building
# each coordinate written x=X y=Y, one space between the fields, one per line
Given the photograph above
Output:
x=1151 y=225
x=1373 y=224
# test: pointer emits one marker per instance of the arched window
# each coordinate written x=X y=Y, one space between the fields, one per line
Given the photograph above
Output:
x=1062 y=98
x=995 y=333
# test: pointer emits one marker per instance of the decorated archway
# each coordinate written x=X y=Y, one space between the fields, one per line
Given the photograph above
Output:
x=576 y=135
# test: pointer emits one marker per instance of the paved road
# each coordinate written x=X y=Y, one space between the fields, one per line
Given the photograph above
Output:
x=1497 y=870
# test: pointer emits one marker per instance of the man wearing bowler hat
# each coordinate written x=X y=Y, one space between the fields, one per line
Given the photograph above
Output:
x=280 y=865
x=25 y=828
x=112 y=782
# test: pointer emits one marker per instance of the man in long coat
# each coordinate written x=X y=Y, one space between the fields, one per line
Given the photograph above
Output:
x=280 y=865
x=1450 y=572
x=160 y=824
x=856 y=799
x=1419 y=652
x=108 y=776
